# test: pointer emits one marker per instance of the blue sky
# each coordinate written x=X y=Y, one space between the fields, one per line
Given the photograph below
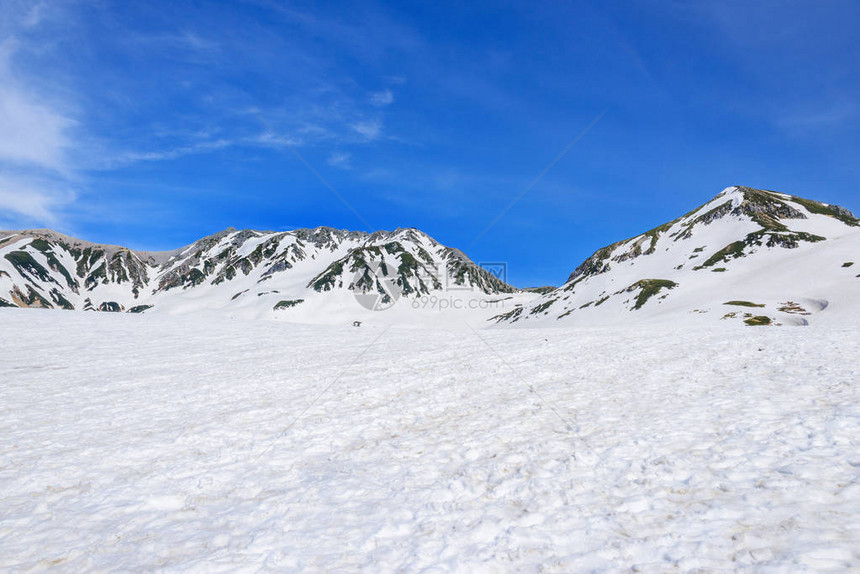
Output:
x=152 y=124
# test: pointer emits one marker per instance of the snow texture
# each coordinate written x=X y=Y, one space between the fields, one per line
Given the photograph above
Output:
x=202 y=443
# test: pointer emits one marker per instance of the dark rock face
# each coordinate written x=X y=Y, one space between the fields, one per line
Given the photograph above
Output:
x=595 y=265
x=41 y=257
x=417 y=271
x=843 y=212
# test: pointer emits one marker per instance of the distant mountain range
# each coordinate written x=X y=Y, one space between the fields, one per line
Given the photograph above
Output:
x=249 y=272
x=748 y=255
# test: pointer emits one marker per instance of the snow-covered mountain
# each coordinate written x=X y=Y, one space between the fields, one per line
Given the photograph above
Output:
x=306 y=273
x=748 y=255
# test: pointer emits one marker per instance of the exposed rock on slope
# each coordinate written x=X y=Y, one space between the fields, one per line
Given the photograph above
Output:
x=745 y=244
x=41 y=268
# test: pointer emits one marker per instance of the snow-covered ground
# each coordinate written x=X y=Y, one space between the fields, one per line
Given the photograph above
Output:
x=205 y=444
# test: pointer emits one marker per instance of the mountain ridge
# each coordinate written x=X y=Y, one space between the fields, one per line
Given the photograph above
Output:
x=739 y=223
x=305 y=273
x=44 y=268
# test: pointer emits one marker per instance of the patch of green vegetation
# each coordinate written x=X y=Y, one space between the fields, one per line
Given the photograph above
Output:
x=848 y=264
x=565 y=314
x=594 y=265
x=140 y=308
x=793 y=308
x=836 y=212
x=731 y=315
x=55 y=264
x=698 y=249
x=287 y=304
x=586 y=305
x=407 y=262
x=33 y=299
x=40 y=244
x=61 y=301
x=649 y=288
x=539 y=290
x=5 y=303
x=654 y=235
x=570 y=286
x=601 y=301
x=732 y=250
x=88 y=258
x=744 y=304
x=409 y=267
x=26 y=265
x=758 y=320
x=513 y=315
x=773 y=239
x=706 y=218
x=543 y=306
x=719 y=270
x=767 y=202
x=327 y=279
x=790 y=240
x=110 y=307
x=99 y=273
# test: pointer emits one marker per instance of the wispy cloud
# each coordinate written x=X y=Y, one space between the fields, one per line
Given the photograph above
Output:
x=32 y=132
x=64 y=124
x=382 y=99
x=35 y=142
x=27 y=201
x=370 y=130
x=35 y=14
x=342 y=160
x=167 y=154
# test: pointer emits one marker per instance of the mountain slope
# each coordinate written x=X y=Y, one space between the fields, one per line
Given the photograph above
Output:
x=252 y=273
x=750 y=255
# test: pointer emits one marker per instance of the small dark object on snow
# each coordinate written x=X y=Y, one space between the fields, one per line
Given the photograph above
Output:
x=356 y=323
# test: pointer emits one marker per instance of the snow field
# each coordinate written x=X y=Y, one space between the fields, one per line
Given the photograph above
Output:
x=204 y=444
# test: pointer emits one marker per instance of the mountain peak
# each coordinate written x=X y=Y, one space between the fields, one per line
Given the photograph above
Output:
x=731 y=238
x=248 y=271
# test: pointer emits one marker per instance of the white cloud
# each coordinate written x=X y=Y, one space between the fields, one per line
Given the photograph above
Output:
x=167 y=154
x=35 y=141
x=271 y=139
x=31 y=133
x=27 y=201
x=342 y=160
x=370 y=129
x=35 y=15
x=382 y=99
x=51 y=137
